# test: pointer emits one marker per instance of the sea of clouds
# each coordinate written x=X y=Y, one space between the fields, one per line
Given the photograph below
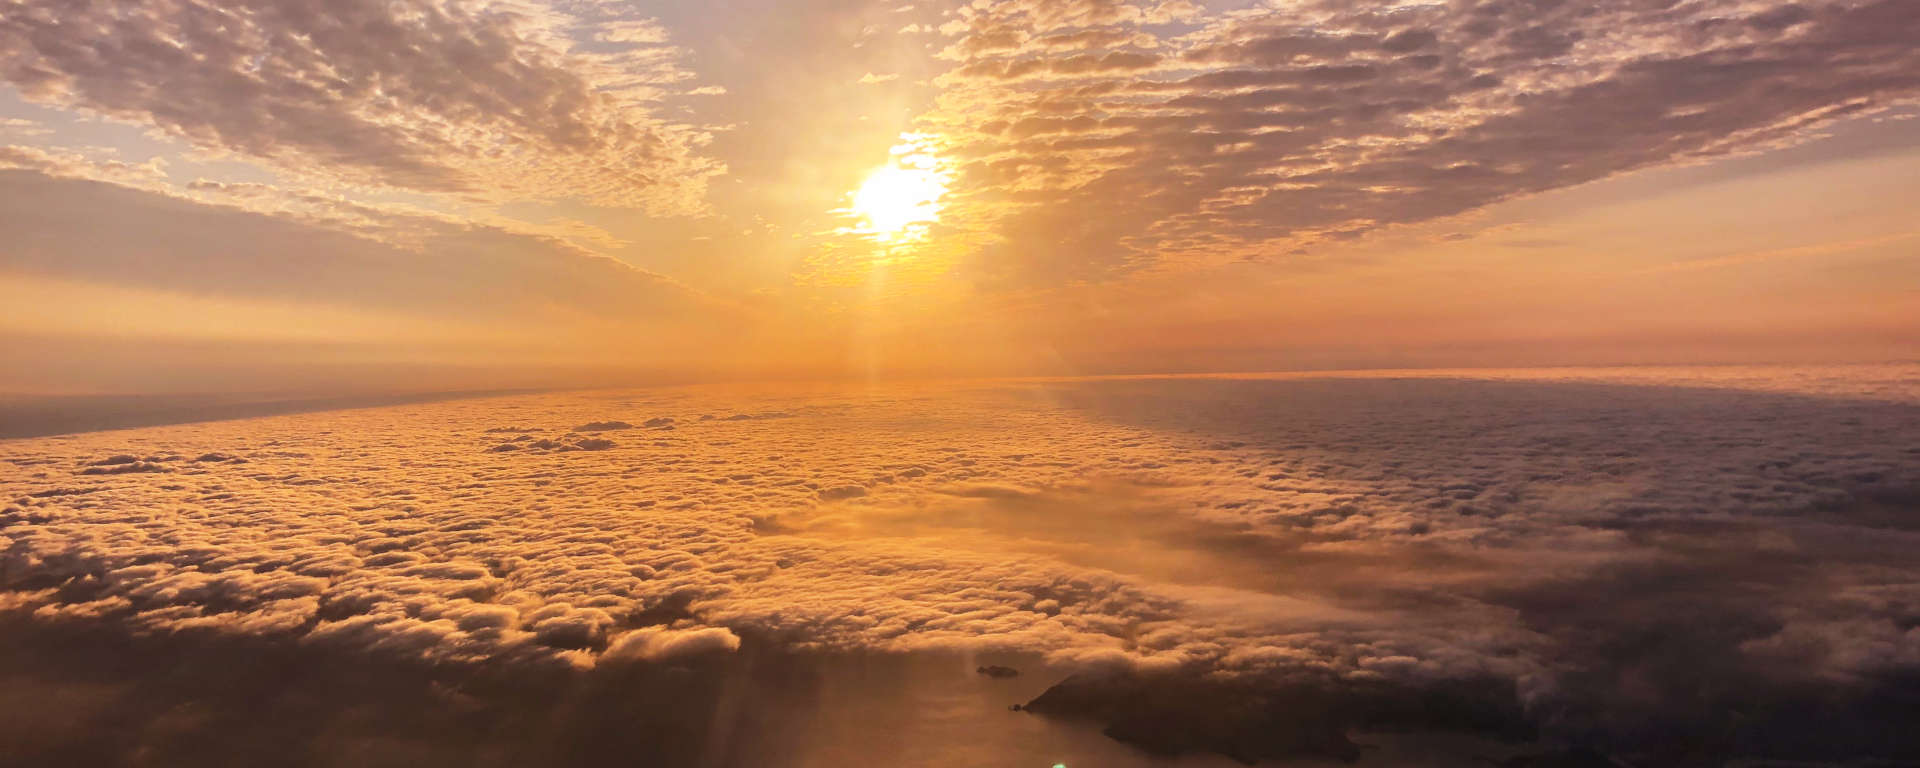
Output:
x=1661 y=566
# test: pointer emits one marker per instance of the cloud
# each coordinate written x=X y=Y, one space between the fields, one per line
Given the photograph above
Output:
x=602 y=426
x=1178 y=139
x=646 y=31
x=475 y=99
x=22 y=127
x=68 y=164
x=654 y=644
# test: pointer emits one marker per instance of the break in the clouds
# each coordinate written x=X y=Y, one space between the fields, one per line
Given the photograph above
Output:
x=1616 y=564
x=477 y=99
x=1103 y=135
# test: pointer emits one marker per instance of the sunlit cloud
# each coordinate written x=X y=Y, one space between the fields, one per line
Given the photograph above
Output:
x=472 y=99
x=1474 y=539
x=1160 y=137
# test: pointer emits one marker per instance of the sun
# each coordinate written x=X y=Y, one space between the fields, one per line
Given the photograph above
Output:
x=897 y=197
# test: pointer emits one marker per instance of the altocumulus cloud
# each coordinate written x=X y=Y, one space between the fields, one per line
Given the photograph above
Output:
x=472 y=98
x=1096 y=136
x=1325 y=543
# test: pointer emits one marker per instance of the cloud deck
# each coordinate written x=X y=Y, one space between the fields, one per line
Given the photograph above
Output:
x=1414 y=533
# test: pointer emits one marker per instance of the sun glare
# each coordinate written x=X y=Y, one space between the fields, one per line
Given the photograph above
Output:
x=897 y=196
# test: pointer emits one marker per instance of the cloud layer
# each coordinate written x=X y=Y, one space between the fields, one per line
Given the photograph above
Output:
x=1097 y=135
x=1544 y=543
x=479 y=99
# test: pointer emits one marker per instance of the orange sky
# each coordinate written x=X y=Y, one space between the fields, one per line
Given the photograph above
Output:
x=275 y=193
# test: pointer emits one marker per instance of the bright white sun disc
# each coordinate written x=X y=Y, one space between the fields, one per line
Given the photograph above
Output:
x=894 y=198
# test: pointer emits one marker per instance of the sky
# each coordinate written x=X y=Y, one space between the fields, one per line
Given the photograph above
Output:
x=277 y=194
